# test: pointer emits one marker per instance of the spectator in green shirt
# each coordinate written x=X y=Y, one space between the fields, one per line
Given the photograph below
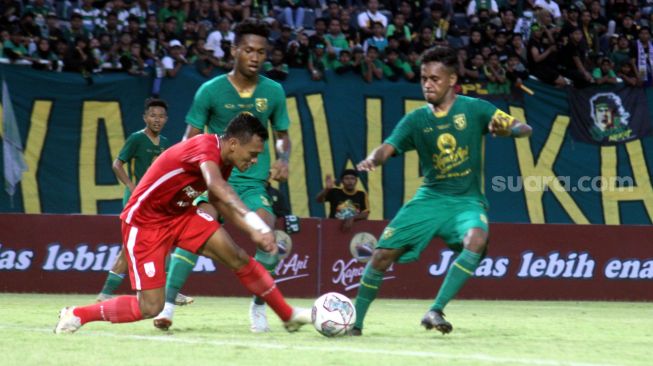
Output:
x=14 y=48
x=604 y=74
x=394 y=67
x=176 y=10
x=343 y=64
x=335 y=39
x=372 y=67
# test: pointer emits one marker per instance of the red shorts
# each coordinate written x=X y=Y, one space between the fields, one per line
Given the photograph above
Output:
x=146 y=248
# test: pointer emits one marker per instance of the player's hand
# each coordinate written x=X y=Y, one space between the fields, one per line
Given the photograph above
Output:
x=500 y=126
x=347 y=224
x=328 y=181
x=366 y=165
x=279 y=171
x=265 y=241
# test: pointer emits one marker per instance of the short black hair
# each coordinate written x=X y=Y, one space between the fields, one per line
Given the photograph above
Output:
x=445 y=55
x=244 y=126
x=349 y=172
x=251 y=26
x=155 y=102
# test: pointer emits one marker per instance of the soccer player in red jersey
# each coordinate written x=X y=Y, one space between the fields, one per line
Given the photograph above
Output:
x=160 y=215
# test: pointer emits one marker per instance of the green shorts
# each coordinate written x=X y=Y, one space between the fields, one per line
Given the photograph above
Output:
x=430 y=214
x=253 y=196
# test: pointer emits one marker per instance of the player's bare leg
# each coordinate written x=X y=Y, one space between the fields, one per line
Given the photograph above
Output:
x=257 y=317
x=114 y=277
x=474 y=242
x=382 y=259
x=254 y=277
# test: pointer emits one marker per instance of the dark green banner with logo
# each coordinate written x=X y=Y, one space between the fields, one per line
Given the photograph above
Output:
x=72 y=131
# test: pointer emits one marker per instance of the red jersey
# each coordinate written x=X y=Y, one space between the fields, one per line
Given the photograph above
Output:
x=172 y=182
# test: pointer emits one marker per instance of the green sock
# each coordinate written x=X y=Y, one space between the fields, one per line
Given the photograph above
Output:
x=369 y=287
x=112 y=282
x=181 y=265
x=269 y=262
x=461 y=269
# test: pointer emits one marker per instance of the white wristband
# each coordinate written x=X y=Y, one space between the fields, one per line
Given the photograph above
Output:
x=256 y=223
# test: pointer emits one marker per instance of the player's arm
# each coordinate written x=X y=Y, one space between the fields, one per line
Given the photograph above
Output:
x=234 y=210
x=505 y=125
x=118 y=167
x=377 y=157
x=190 y=132
x=282 y=147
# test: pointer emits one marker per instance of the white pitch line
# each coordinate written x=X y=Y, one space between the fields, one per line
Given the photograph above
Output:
x=272 y=345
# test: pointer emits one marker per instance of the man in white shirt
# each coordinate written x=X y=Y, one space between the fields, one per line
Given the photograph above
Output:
x=221 y=34
x=475 y=5
x=371 y=15
x=551 y=6
x=175 y=59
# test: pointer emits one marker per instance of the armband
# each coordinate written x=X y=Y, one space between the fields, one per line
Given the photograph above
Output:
x=255 y=222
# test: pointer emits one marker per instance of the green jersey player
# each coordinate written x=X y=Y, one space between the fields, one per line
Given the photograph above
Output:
x=447 y=134
x=139 y=152
x=216 y=102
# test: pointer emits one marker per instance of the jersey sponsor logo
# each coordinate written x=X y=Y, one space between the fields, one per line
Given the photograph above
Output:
x=229 y=106
x=459 y=121
x=362 y=246
x=450 y=156
x=204 y=215
x=261 y=104
x=150 y=269
x=427 y=129
x=443 y=127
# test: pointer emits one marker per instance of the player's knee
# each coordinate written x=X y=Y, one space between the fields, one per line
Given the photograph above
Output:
x=381 y=260
x=476 y=240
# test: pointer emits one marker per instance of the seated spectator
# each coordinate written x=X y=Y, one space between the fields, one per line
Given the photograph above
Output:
x=604 y=74
x=29 y=27
x=169 y=31
x=149 y=38
x=120 y=9
x=236 y=10
x=372 y=66
x=368 y=17
x=437 y=22
x=542 y=57
x=498 y=82
x=177 y=10
x=175 y=59
x=357 y=60
x=378 y=39
x=141 y=10
x=14 y=48
x=39 y=8
x=52 y=31
x=550 y=6
x=80 y=59
x=627 y=73
x=516 y=70
x=43 y=58
x=335 y=40
x=590 y=33
x=346 y=203
x=320 y=31
x=90 y=15
x=464 y=69
x=424 y=41
x=621 y=52
x=284 y=39
x=517 y=47
x=501 y=47
x=110 y=27
x=298 y=51
x=317 y=62
x=641 y=56
x=275 y=68
x=221 y=37
x=413 y=60
x=350 y=31
x=475 y=42
x=133 y=62
x=293 y=13
x=394 y=68
x=333 y=10
x=344 y=63
x=400 y=31
x=206 y=13
x=76 y=30
x=476 y=5
x=508 y=20
x=574 y=61
x=205 y=61
x=107 y=51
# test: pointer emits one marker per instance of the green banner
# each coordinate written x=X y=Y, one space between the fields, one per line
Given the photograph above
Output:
x=72 y=131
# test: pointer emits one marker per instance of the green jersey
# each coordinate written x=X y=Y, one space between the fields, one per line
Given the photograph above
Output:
x=217 y=102
x=139 y=153
x=449 y=146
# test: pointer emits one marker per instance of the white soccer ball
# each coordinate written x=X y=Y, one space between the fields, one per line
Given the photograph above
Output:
x=333 y=314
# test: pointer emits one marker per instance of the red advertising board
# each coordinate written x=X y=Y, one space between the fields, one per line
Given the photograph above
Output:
x=71 y=253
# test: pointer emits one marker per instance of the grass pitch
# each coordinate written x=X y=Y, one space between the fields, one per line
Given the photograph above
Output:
x=215 y=331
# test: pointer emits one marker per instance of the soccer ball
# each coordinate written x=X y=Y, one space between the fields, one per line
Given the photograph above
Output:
x=333 y=314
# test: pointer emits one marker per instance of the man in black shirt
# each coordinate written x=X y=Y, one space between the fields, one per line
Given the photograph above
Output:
x=347 y=203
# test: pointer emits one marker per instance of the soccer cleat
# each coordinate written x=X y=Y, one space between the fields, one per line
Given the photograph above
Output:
x=355 y=332
x=182 y=300
x=103 y=297
x=435 y=319
x=68 y=322
x=299 y=317
x=163 y=321
x=257 y=318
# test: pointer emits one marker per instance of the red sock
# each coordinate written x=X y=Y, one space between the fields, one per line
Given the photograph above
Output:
x=257 y=280
x=121 y=309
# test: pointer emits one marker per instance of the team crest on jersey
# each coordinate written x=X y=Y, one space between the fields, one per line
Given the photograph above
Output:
x=261 y=104
x=387 y=233
x=150 y=270
x=459 y=121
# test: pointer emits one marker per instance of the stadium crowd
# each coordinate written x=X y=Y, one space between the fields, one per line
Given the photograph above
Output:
x=499 y=42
